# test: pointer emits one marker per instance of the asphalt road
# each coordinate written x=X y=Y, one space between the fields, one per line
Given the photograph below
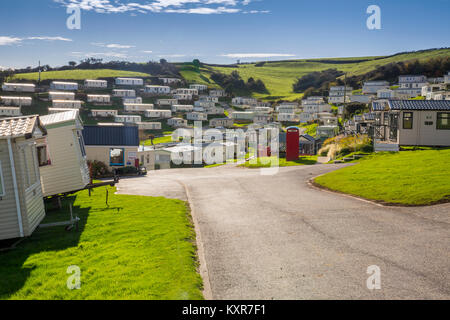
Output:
x=275 y=237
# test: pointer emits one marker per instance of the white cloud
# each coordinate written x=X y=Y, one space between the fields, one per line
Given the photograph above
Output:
x=156 y=6
x=118 y=55
x=256 y=55
x=6 y=41
x=112 y=45
x=172 y=56
x=146 y=51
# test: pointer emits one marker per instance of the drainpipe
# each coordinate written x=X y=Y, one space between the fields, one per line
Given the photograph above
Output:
x=16 y=191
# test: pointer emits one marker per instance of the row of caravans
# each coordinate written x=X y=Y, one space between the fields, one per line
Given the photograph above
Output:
x=39 y=157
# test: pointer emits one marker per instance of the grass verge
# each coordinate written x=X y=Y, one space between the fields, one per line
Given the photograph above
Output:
x=411 y=178
x=133 y=248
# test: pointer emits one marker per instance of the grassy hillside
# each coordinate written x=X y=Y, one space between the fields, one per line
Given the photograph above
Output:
x=78 y=74
x=279 y=76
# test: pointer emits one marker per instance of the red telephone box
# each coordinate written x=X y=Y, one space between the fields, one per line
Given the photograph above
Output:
x=292 y=143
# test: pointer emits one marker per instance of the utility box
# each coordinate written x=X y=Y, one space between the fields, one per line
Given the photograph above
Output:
x=292 y=143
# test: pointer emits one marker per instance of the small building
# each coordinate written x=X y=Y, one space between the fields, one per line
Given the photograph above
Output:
x=21 y=201
x=132 y=100
x=115 y=146
x=262 y=118
x=411 y=123
x=62 y=155
x=209 y=98
x=124 y=93
x=10 y=112
x=16 y=101
x=149 y=125
x=127 y=119
x=166 y=102
x=183 y=96
x=163 y=114
x=97 y=84
x=59 y=95
x=129 y=82
x=177 y=122
x=308 y=145
x=199 y=87
x=71 y=104
x=288 y=117
x=239 y=101
x=102 y=113
x=19 y=87
x=182 y=108
x=99 y=98
x=59 y=85
x=221 y=123
x=137 y=107
x=197 y=116
x=157 y=90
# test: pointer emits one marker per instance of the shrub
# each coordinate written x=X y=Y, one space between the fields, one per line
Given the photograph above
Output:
x=126 y=170
x=98 y=168
x=367 y=148
x=344 y=151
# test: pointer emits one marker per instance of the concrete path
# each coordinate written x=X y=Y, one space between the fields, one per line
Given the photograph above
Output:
x=274 y=237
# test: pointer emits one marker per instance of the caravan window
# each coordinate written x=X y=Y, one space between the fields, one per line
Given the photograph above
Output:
x=2 y=185
x=407 y=120
x=28 y=161
x=81 y=141
x=43 y=157
x=443 y=121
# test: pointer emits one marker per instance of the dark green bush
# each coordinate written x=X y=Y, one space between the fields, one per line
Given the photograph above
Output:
x=98 y=169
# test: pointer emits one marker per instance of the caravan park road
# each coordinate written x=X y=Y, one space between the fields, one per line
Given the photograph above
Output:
x=275 y=237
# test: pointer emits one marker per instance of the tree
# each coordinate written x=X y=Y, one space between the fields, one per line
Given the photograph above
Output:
x=72 y=64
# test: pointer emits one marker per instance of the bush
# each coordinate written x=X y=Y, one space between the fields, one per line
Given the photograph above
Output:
x=126 y=170
x=344 y=151
x=98 y=169
x=368 y=148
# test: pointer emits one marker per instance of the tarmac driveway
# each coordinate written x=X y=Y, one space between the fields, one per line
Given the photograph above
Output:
x=275 y=237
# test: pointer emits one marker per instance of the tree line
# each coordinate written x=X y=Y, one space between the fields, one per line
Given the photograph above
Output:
x=233 y=83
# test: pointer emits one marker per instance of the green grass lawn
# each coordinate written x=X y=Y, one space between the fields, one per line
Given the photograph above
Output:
x=266 y=162
x=133 y=248
x=165 y=139
x=78 y=74
x=407 y=178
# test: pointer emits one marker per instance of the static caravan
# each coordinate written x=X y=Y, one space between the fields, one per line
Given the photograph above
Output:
x=137 y=107
x=132 y=100
x=55 y=95
x=124 y=93
x=204 y=104
x=243 y=115
x=157 y=89
x=187 y=91
x=95 y=83
x=209 y=98
x=62 y=156
x=197 y=116
x=149 y=125
x=10 y=112
x=16 y=101
x=170 y=80
x=104 y=113
x=129 y=82
x=21 y=201
x=19 y=87
x=221 y=122
x=58 y=85
x=217 y=93
x=199 y=87
x=288 y=117
x=57 y=110
x=177 y=122
x=71 y=104
x=127 y=119
x=165 y=114
x=182 y=108
x=166 y=102
x=182 y=96
x=99 y=98
x=215 y=110
x=115 y=146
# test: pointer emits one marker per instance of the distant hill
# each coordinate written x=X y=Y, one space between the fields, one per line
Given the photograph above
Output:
x=78 y=74
x=278 y=76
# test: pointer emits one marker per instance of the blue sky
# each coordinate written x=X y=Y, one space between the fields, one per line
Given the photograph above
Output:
x=215 y=31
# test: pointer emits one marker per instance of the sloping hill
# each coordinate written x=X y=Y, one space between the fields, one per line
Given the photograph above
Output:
x=279 y=76
x=78 y=74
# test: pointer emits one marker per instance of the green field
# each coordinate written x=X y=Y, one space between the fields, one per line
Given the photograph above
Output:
x=78 y=75
x=131 y=248
x=406 y=178
x=279 y=76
